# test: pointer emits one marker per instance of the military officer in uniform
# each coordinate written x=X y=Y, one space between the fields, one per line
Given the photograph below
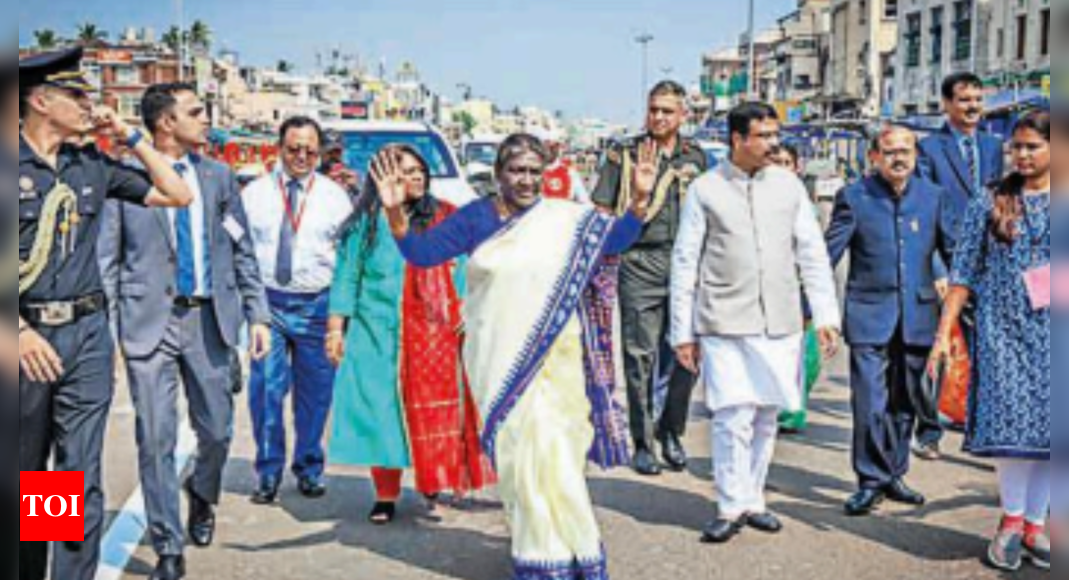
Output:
x=645 y=277
x=9 y=362
x=65 y=348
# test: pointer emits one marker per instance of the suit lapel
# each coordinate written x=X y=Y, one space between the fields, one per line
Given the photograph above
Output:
x=957 y=161
x=163 y=218
x=206 y=179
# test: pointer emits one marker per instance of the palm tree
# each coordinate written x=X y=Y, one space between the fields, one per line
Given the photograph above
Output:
x=173 y=39
x=46 y=39
x=89 y=34
x=200 y=36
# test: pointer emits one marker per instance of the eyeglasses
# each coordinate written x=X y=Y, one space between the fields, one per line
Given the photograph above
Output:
x=302 y=151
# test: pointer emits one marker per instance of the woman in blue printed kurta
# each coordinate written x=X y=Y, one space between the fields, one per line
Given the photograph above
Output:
x=1003 y=239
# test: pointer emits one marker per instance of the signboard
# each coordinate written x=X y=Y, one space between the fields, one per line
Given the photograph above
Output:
x=355 y=110
x=110 y=56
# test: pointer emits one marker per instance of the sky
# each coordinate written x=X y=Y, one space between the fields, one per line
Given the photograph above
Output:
x=576 y=56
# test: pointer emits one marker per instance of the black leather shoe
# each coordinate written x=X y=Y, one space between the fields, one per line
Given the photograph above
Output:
x=645 y=463
x=899 y=492
x=169 y=568
x=201 y=525
x=675 y=457
x=765 y=522
x=721 y=532
x=267 y=493
x=312 y=487
x=865 y=502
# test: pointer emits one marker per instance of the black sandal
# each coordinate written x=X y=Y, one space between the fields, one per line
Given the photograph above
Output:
x=383 y=514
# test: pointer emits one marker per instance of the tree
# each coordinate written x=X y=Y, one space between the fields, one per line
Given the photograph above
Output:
x=466 y=121
x=173 y=39
x=200 y=36
x=46 y=39
x=89 y=34
x=285 y=66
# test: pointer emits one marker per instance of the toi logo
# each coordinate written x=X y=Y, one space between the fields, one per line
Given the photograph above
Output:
x=52 y=506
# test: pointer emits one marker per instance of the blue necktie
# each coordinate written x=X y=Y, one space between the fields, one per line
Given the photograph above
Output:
x=284 y=264
x=183 y=233
x=973 y=163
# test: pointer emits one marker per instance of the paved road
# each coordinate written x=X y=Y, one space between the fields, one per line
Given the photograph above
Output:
x=651 y=526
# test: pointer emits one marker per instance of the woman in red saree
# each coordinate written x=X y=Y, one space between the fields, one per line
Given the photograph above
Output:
x=402 y=400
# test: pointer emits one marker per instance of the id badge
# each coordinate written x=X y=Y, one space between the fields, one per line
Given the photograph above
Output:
x=1037 y=281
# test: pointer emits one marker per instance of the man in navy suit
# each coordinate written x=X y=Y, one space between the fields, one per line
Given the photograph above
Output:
x=893 y=224
x=963 y=161
x=181 y=284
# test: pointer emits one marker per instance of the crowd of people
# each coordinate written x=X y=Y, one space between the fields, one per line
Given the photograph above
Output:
x=479 y=346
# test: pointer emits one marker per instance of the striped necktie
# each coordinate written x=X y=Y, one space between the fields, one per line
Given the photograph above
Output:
x=974 y=164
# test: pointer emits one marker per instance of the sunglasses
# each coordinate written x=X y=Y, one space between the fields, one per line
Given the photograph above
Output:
x=305 y=151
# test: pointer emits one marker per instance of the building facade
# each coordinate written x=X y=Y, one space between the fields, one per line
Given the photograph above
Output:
x=1005 y=42
x=859 y=70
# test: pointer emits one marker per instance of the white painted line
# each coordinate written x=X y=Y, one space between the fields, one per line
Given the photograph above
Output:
x=128 y=529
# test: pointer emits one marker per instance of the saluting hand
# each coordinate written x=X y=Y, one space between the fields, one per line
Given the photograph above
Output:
x=389 y=181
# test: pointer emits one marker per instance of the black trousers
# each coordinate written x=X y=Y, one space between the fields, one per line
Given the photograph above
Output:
x=644 y=306
x=66 y=421
x=888 y=387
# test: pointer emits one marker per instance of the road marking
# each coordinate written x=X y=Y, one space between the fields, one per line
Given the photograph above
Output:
x=128 y=529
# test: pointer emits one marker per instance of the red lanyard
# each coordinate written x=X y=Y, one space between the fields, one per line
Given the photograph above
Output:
x=295 y=220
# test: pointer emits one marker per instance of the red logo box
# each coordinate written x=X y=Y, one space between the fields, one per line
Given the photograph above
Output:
x=52 y=506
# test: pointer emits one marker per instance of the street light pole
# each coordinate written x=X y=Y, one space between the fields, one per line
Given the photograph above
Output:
x=645 y=40
x=752 y=66
x=181 y=41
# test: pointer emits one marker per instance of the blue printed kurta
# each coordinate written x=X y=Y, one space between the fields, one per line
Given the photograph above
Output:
x=1009 y=407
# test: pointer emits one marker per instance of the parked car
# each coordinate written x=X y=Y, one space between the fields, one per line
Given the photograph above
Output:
x=364 y=139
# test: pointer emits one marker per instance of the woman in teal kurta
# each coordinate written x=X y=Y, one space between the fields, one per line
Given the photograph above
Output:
x=401 y=400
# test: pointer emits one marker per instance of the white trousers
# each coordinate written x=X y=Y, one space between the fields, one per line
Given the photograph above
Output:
x=1025 y=489
x=744 y=442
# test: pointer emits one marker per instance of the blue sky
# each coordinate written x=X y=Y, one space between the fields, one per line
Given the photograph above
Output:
x=578 y=56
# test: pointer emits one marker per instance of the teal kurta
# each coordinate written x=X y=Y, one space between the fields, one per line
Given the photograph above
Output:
x=369 y=424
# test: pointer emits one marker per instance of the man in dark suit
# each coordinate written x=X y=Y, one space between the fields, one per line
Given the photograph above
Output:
x=893 y=224
x=963 y=161
x=181 y=283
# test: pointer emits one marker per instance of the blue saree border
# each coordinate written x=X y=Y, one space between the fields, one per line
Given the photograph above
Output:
x=575 y=569
x=588 y=243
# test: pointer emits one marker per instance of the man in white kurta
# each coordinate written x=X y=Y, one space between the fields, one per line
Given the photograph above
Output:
x=749 y=243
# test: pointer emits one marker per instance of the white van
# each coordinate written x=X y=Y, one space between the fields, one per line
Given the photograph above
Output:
x=364 y=139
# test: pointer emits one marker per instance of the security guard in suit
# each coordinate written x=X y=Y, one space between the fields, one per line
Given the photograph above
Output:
x=65 y=347
x=894 y=224
x=645 y=278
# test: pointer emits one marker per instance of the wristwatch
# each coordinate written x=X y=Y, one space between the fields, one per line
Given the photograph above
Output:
x=136 y=136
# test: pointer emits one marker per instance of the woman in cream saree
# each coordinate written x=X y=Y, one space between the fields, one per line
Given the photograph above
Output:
x=538 y=349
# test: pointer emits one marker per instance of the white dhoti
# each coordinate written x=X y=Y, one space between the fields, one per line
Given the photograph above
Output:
x=748 y=382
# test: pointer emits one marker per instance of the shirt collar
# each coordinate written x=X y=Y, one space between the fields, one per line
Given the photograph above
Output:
x=26 y=153
x=305 y=182
x=960 y=137
x=733 y=171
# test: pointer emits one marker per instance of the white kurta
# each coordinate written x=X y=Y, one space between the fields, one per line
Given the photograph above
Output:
x=761 y=371
x=754 y=371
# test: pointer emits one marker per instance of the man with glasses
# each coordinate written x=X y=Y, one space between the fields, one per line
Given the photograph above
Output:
x=295 y=216
x=963 y=160
x=65 y=349
x=894 y=224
